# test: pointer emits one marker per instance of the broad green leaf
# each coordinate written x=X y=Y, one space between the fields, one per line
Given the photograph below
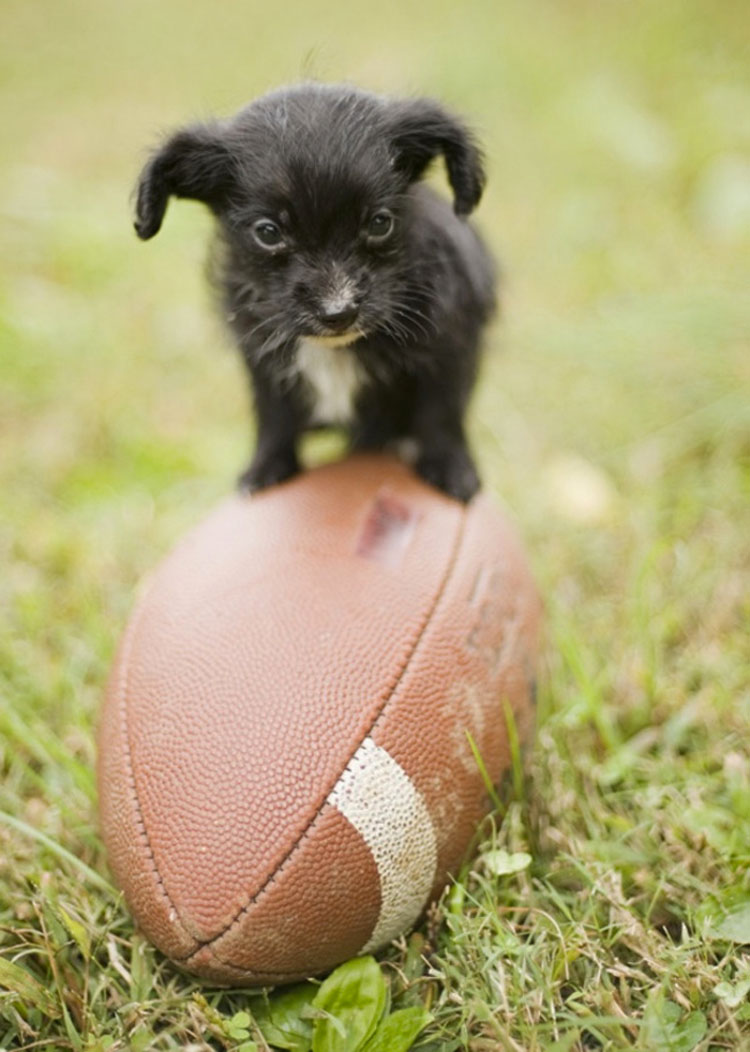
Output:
x=691 y=1031
x=502 y=863
x=397 y=1032
x=735 y=925
x=284 y=1018
x=31 y=992
x=237 y=1026
x=666 y=1029
x=726 y=915
x=352 y=998
x=732 y=994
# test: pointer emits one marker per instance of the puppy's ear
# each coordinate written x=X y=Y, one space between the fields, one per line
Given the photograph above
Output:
x=194 y=162
x=421 y=129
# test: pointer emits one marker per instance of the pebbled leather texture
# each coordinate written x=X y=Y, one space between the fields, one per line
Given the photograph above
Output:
x=351 y=608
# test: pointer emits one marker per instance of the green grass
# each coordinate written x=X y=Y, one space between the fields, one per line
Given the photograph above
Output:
x=613 y=419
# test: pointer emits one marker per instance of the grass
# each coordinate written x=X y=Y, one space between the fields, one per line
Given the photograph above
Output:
x=615 y=424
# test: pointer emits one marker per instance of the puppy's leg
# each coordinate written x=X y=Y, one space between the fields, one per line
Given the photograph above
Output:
x=371 y=433
x=279 y=426
x=444 y=459
x=381 y=416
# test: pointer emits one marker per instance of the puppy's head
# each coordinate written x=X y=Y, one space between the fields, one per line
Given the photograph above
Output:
x=310 y=187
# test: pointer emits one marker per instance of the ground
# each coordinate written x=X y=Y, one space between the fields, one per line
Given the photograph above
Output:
x=612 y=419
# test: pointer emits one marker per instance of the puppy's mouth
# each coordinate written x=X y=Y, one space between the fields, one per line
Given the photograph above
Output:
x=335 y=339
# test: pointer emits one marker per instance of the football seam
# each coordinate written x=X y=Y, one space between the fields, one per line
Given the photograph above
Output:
x=310 y=828
x=122 y=696
x=264 y=977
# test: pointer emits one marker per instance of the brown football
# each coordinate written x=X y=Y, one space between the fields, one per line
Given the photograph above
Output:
x=287 y=750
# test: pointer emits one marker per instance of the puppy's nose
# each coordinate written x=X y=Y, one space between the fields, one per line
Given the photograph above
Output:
x=338 y=316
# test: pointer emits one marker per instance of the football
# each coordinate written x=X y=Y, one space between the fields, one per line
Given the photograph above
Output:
x=307 y=706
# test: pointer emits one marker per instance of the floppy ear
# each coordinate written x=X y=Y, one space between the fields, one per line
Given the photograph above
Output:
x=194 y=162
x=422 y=129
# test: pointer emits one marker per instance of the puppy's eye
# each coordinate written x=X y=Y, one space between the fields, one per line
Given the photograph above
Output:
x=380 y=226
x=268 y=234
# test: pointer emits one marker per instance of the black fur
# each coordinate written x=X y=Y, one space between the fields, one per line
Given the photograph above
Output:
x=312 y=166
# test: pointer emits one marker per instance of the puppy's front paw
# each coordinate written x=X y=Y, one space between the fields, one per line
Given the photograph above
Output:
x=451 y=471
x=268 y=471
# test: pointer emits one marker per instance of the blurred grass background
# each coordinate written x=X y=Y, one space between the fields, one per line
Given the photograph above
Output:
x=613 y=418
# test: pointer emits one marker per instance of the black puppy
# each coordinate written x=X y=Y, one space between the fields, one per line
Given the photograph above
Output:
x=356 y=295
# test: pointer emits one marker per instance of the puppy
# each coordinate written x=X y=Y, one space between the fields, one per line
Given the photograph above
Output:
x=357 y=295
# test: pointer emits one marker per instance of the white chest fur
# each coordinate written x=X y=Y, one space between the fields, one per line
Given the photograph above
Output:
x=333 y=376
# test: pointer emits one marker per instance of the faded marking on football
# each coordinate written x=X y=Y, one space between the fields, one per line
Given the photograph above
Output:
x=387 y=530
x=382 y=803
